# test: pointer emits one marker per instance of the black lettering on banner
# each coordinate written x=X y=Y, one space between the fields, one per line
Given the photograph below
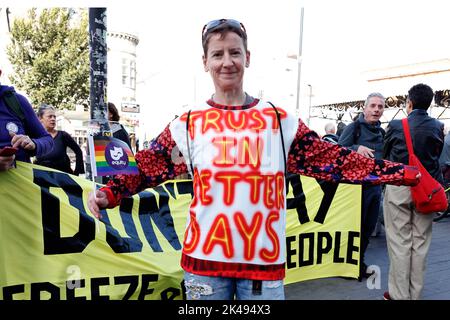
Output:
x=164 y=219
x=52 y=291
x=9 y=291
x=329 y=190
x=290 y=252
x=337 y=248
x=161 y=217
x=145 y=290
x=183 y=289
x=325 y=243
x=302 y=238
x=37 y=288
x=133 y=282
x=170 y=188
x=299 y=201
x=116 y=242
x=351 y=247
x=70 y=290
x=96 y=283
x=321 y=250
x=51 y=213
x=147 y=205
x=170 y=293
x=185 y=187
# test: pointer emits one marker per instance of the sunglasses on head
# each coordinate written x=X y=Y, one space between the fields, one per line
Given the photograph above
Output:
x=210 y=26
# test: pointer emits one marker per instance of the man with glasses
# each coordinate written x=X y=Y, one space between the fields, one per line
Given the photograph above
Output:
x=408 y=233
x=234 y=244
x=20 y=128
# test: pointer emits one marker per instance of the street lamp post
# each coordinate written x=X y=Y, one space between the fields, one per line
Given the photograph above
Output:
x=7 y=19
x=299 y=61
x=98 y=64
x=98 y=124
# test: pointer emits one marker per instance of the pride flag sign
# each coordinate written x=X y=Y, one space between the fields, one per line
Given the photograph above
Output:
x=111 y=156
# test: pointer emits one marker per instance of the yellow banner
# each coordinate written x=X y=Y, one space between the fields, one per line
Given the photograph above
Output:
x=51 y=246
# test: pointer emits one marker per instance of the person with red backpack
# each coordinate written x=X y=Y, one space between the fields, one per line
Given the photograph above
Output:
x=20 y=129
x=408 y=232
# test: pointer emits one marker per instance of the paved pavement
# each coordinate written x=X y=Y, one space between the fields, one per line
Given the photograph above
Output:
x=437 y=278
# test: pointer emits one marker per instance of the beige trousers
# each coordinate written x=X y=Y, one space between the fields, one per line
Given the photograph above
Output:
x=408 y=236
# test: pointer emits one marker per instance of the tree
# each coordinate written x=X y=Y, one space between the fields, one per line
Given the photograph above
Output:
x=49 y=53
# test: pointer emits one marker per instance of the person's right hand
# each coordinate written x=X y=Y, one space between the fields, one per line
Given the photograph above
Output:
x=6 y=162
x=97 y=202
x=22 y=141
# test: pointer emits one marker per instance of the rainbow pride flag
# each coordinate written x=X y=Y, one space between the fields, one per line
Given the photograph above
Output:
x=111 y=156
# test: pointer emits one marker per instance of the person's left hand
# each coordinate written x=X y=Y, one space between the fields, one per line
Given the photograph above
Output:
x=412 y=176
x=22 y=141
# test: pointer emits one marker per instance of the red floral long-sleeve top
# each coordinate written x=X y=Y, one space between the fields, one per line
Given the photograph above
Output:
x=236 y=221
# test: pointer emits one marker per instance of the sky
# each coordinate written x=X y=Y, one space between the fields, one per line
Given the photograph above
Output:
x=341 y=41
x=170 y=49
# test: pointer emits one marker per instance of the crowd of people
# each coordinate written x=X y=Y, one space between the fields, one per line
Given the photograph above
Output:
x=35 y=138
x=408 y=232
x=213 y=138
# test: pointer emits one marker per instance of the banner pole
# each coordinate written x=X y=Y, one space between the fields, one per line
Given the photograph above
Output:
x=91 y=149
x=97 y=223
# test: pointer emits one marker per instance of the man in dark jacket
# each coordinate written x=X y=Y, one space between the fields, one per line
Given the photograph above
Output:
x=365 y=136
x=28 y=135
x=408 y=232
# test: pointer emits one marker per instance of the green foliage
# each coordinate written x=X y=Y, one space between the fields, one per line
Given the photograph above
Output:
x=49 y=52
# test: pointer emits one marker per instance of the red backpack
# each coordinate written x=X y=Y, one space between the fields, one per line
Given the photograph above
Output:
x=429 y=195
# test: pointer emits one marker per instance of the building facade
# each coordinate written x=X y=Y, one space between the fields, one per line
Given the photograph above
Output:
x=121 y=79
x=122 y=70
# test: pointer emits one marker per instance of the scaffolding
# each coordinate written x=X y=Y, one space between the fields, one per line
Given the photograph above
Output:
x=395 y=108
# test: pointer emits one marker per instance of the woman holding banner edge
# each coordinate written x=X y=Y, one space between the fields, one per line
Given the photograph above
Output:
x=238 y=150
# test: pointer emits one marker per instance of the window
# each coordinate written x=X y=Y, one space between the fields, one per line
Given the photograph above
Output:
x=129 y=73
x=125 y=72
x=133 y=74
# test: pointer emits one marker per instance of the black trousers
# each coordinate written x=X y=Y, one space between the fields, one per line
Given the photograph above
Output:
x=371 y=201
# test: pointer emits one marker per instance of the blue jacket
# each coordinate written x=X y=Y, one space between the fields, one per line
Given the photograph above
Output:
x=33 y=128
